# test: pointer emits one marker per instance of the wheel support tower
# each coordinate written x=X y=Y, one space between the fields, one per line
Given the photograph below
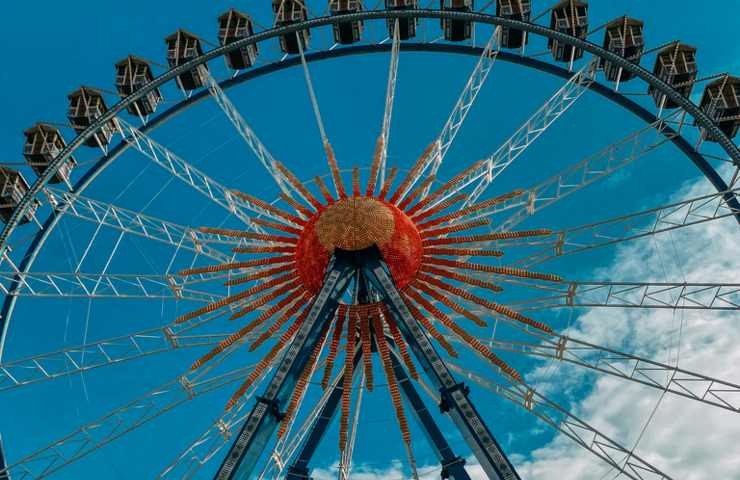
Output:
x=371 y=273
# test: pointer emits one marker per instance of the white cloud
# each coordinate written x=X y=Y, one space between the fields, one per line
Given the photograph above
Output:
x=685 y=439
x=395 y=471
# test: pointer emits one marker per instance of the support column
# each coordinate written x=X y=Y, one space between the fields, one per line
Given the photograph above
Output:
x=453 y=467
x=299 y=469
x=266 y=414
x=455 y=401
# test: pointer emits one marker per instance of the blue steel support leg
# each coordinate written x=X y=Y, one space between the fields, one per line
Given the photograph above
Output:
x=265 y=415
x=455 y=399
x=299 y=469
x=452 y=466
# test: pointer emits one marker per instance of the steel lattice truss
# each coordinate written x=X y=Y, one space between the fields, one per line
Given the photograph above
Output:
x=139 y=224
x=210 y=442
x=585 y=435
x=599 y=165
x=192 y=176
x=242 y=127
x=631 y=367
x=107 y=352
x=532 y=129
x=697 y=296
x=98 y=433
x=390 y=96
x=99 y=285
x=464 y=103
x=628 y=227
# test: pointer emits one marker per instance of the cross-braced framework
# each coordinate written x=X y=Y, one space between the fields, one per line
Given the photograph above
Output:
x=336 y=271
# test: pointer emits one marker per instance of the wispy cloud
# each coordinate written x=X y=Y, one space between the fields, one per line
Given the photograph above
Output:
x=685 y=439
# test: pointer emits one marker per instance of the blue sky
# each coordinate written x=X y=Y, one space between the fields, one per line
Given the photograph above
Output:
x=68 y=47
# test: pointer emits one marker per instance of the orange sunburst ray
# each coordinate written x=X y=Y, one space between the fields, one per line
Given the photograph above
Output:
x=455 y=252
x=281 y=320
x=249 y=235
x=487 y=237
x=322 y=188
x=302 y=382
x=333 y=346
x=366 y=341
x=223 y=267
x=334 y=168
x=476 y=282
x=412 y=173
x=392 y=381
x=401 y=343
x=392 y=172
x=419 y=285
x=270 y=249
x=267 y=359
x=460 y=227
x=443 y=205
x=511 y=272
x=462 y=334
x=375 y=166
x=298 y=185
x=347 y=386
x=280 y=213
x=470 y=210
x=446 y=187
x=276 y=226
x=433 y=331
x=235 y=298
x=259 y=275
x=304 y=211
x=261 y=301
x=243 y=332
x=465 y=295
x=356 y=181
x=416 y=192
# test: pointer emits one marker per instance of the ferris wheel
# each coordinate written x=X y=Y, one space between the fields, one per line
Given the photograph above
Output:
x=287 y=297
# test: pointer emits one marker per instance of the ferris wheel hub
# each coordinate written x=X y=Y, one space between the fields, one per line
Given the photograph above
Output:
x=353 y=224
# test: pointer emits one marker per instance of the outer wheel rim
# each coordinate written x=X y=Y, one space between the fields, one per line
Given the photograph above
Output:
x=686 y=104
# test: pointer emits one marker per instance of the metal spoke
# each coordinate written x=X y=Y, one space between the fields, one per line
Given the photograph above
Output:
x=585 y=435
x=459 y=112
x=210 y=442
x=630 y=367
x=100 y=285
x=186 y=172
x=139 y=224
x=117 y=423
x=311 y=92
x=602 y=164
x=242 y=127
x=389 y=97
x=345 y=464
x=635 y=225
x=286 y=447
x=110 y=351
x=691 y=296
x=532 y=129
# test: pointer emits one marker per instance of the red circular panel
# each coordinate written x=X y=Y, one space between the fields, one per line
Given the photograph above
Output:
x=401 y=248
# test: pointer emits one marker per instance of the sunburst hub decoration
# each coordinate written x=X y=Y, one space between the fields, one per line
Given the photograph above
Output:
x=415 y=240
x=356 y=223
